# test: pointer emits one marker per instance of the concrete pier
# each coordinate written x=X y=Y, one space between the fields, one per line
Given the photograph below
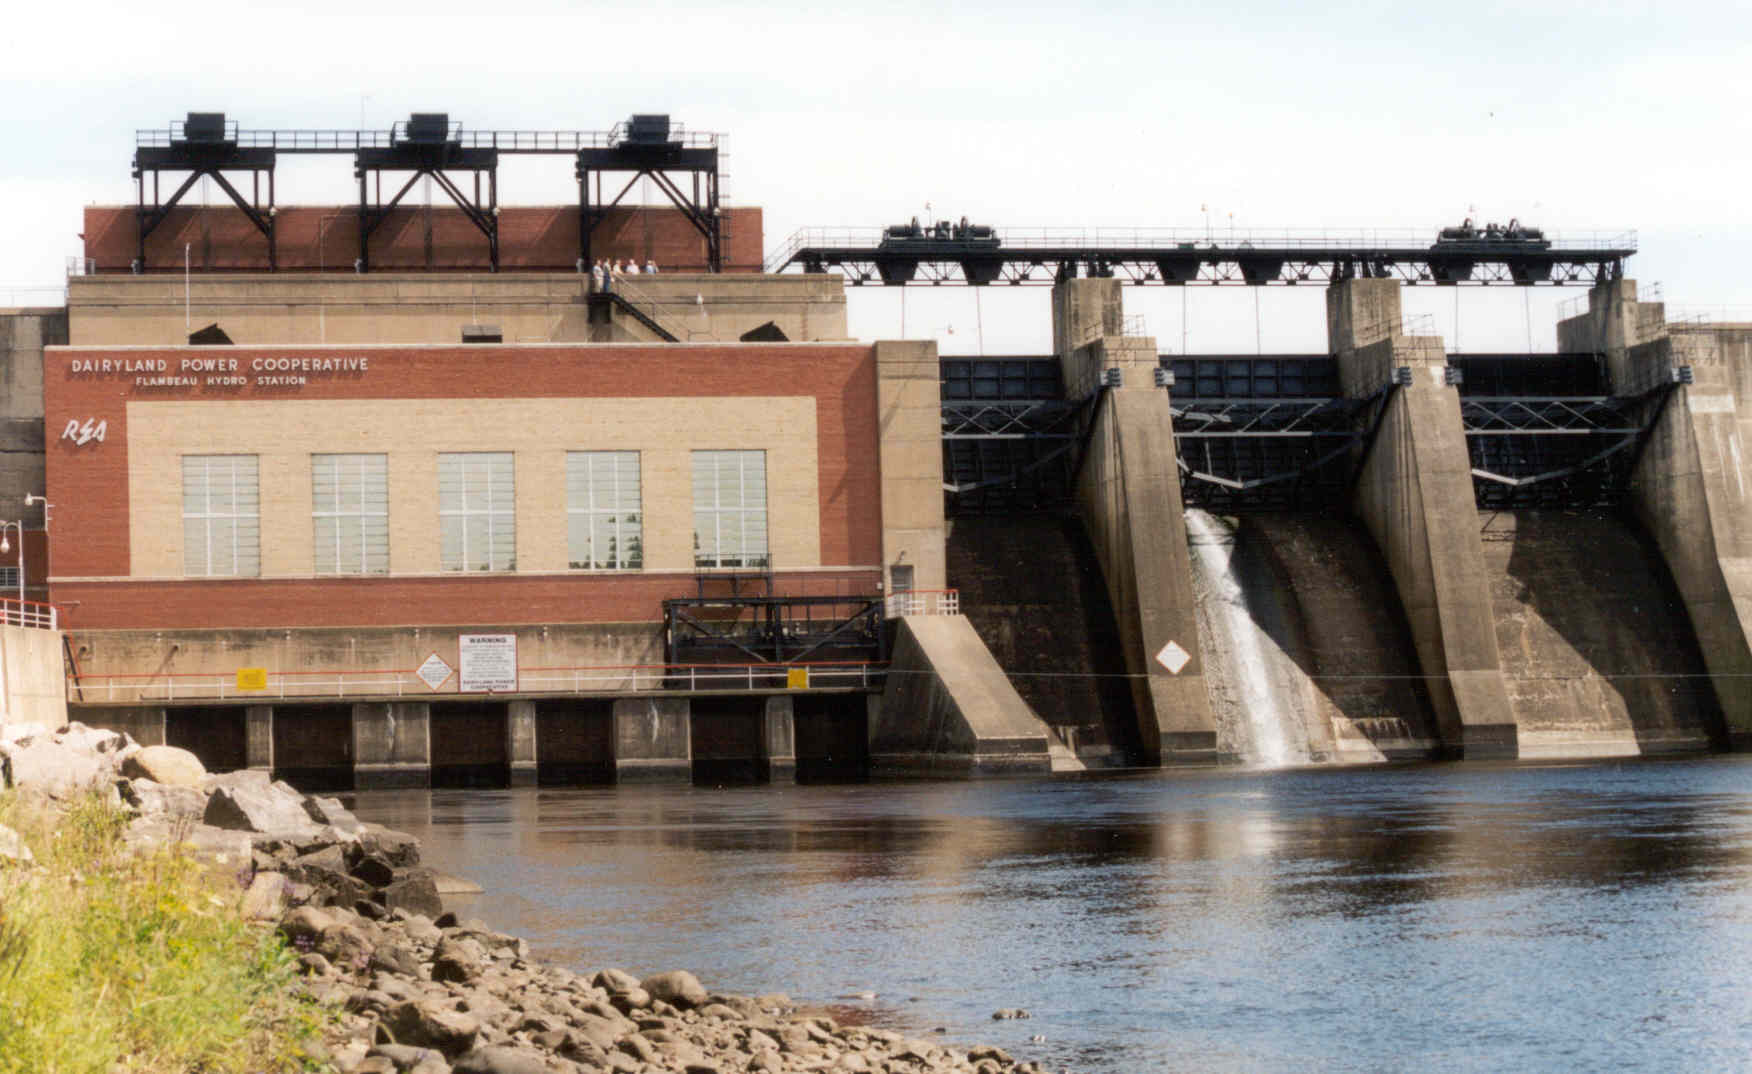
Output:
x=653 y=740
x=520 y=743
x=258 y=731
x=1415 y=496
x=948 y=708
x=392 y=745
x=1128 y=493
x=779 y=740
x=1689 y=488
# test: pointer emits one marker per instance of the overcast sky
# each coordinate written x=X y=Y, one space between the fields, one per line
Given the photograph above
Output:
x=1574 y=116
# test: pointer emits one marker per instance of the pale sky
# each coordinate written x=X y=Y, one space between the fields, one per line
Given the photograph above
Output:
x=1572 y=116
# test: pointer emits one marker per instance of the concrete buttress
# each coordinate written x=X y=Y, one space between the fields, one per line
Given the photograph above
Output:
x=1415 y=497
x=1128 y=493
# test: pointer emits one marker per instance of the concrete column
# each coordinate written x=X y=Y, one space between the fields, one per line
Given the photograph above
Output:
x=1128 y=493
x=779 y=740
x=909 y=400
x=258 y=727
x=653 y=740
x=1415 y=496
x=392 y=745
x=1689 y=488
x=520 y=744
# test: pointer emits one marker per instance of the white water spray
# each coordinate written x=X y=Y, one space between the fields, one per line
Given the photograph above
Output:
x=1213 y=548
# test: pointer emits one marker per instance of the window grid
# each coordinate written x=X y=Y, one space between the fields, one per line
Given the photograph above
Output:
x=221 y=516
x=477 y=511
x=605 y=530
x=730 y=511
x=350 y=513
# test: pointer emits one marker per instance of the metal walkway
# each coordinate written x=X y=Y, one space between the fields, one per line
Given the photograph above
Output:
x=964 y=254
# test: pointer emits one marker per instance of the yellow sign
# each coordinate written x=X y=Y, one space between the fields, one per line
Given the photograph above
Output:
x=252 y=678
x=796 y=678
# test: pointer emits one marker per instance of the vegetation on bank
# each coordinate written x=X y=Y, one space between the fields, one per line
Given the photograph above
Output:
x=114 y=960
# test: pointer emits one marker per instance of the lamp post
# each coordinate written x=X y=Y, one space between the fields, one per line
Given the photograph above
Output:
x=5 y=547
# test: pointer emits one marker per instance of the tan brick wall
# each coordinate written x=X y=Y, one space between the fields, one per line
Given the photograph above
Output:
x=412 y=432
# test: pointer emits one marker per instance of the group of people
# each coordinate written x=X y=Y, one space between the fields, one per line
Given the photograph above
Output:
x=605 y=272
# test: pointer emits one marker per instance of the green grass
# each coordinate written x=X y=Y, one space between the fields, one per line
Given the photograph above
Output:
x=111 y=962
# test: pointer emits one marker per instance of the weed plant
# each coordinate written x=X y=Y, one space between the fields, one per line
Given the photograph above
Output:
x=116 y=961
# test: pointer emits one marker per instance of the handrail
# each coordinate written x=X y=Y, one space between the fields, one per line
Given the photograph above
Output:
x=661 y=315
x=405 y=682
x=923 y=602
x=29 y=613
x=334 y=140
x=1196 y=239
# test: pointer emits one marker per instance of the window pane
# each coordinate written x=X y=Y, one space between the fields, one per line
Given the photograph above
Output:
x=602 y=495
x=220 y=529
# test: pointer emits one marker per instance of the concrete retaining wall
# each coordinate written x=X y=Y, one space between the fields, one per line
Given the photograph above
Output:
x=32 y=677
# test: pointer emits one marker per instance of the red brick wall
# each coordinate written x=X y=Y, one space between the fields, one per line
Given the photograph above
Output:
x=310 y=237
x=89 y=483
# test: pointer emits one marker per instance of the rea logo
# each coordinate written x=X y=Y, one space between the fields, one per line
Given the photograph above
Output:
x=85 y=432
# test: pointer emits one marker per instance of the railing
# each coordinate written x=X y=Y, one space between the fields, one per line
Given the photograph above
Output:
x=923 y=602
x=29 y=613
x=1708 y=315
x=570 y=679
x=340 y=141
x=1199 y=238
x=673 y=321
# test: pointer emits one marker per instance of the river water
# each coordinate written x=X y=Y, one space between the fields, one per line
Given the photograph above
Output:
x=1448 y=917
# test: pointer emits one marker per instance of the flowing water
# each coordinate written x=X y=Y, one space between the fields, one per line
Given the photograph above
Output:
x=1258 y=712
x=1442 y=917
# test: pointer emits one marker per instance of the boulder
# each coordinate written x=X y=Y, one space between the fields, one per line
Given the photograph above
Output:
x=456 y=960
x=398 y=848
x=266 y=898
x=12 y=848
x=149 y=798
x=414 y=892
x=167 y=765
x=331 y=812
x=395 y=958
x=58 y=769
x=426 y=1024
x=502 y=1059
x=677 y=987
x=258 y=805
x=374 y=871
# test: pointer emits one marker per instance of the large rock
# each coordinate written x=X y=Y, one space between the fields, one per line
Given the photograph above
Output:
x=330 y=812
x=149 y=798
x=398 y=848
x=503 y=1059
x=426 y=1024
x=266 y=898
x=250 y=802
x=168 y=765
x=678 y=988
x=12 y=848
x=57 y=768
x=415 y=892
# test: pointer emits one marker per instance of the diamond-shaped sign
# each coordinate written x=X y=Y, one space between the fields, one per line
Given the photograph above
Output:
x=434 y=672
x=1173 y=657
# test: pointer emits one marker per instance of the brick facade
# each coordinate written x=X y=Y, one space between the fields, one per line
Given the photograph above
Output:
x=112 y=507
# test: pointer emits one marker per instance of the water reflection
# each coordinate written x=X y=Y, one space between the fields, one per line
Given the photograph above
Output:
x=1478 y=917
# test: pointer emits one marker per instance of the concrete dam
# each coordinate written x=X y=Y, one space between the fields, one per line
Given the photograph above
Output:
x=1388 y=552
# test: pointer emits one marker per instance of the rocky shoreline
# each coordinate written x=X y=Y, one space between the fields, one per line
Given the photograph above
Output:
x=413 y=988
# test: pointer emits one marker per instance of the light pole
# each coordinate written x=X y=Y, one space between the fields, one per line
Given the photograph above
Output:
x=5 y=547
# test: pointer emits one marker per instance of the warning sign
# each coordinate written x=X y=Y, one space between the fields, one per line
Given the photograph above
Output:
x=1173 y=657
x=489 y=663
x=252 y=678
x=434 y=672
x=796 y=678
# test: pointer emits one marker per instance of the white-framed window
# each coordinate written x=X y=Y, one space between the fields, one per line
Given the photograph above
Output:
x=8 y=580
x=730 y=509
x=349 y=496
x=604 y=530
x=477 y=511
x=221 y=516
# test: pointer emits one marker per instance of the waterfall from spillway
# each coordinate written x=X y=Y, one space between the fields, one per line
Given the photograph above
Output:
x=1258 y=710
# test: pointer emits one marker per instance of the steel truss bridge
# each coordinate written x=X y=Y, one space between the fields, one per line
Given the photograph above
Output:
x=430 y=145
x=1176 y=256
x=1274 y=432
